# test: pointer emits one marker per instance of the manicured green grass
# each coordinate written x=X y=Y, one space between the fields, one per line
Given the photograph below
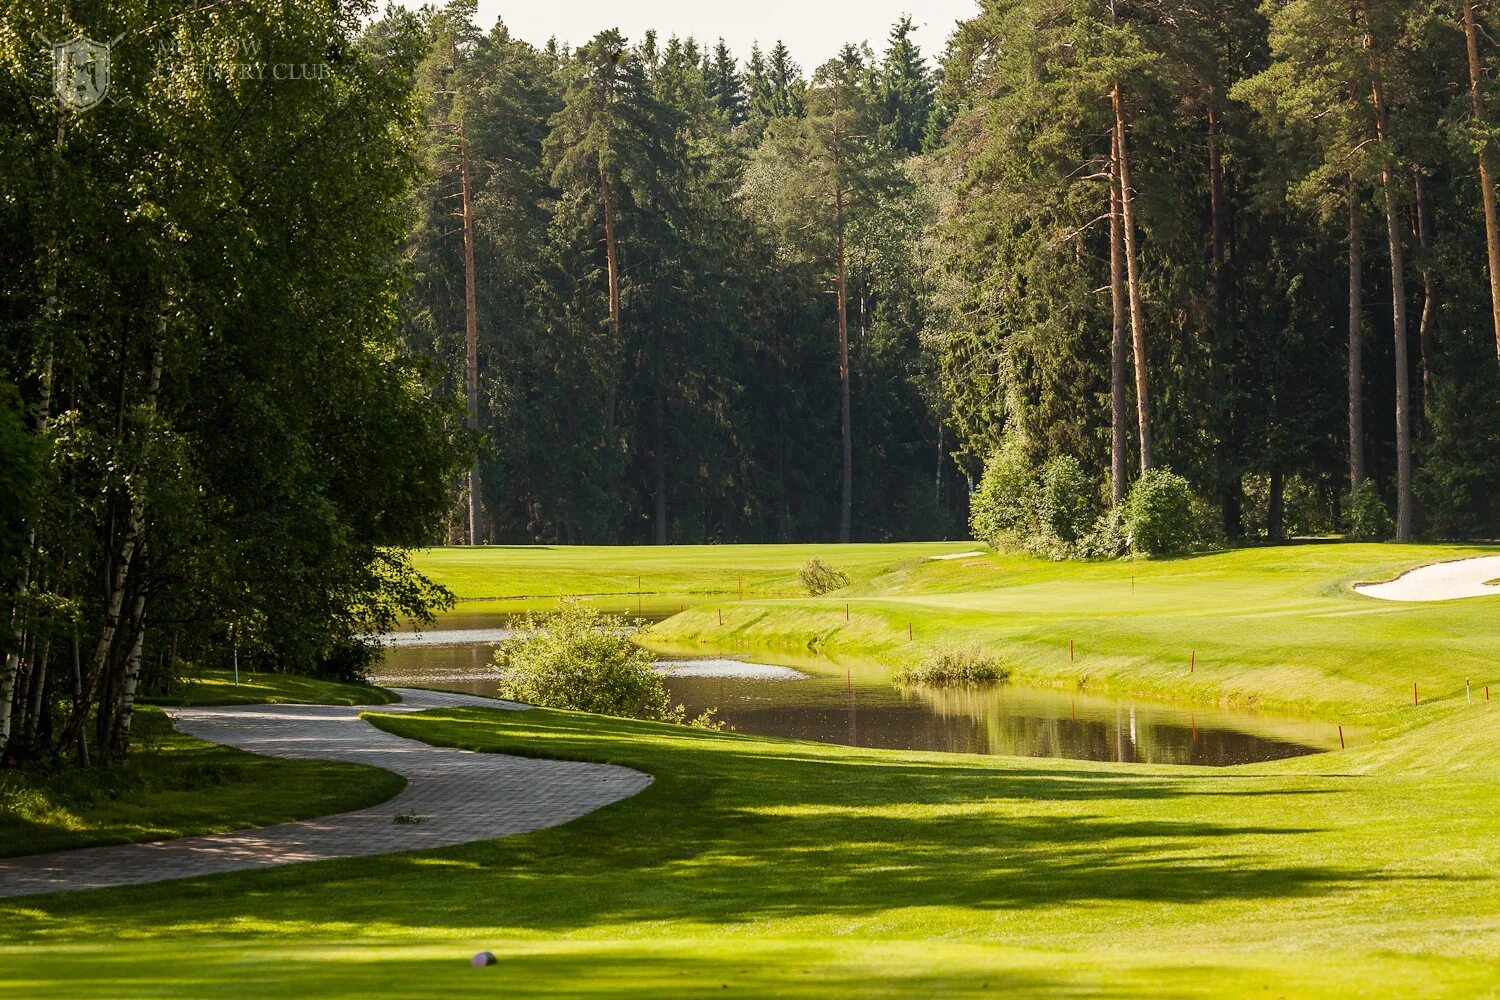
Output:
x=504 y=572
x=778 y=868
x=759 y=867
x=218 y=687
x=1275 y=627
x=172 y=785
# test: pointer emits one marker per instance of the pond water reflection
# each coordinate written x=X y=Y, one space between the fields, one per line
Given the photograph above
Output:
x=854 y=703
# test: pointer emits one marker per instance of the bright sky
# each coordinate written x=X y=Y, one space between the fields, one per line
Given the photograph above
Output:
x=814 y=30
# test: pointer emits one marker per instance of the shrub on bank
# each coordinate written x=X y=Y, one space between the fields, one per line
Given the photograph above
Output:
x=1369 y=518
x=950 y=666
x=1159 y=514
x=819 y=578
x=580 y=659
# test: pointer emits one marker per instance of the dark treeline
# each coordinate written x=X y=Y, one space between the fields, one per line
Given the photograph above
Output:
x=211 y=437
x=1119 y=232
x=669 y=251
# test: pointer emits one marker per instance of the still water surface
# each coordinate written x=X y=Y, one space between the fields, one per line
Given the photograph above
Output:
x=854 y=703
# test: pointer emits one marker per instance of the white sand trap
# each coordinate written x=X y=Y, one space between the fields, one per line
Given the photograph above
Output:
x=736 y=669
x=1445 y=581
x=957 y=555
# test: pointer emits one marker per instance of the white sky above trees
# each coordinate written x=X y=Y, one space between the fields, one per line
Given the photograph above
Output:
x=813 y=30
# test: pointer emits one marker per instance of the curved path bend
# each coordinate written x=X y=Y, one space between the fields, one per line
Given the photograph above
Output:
x=460 y=796
x=1445 y=581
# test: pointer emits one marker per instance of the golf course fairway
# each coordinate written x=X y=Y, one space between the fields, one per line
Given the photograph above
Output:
x=761 y=867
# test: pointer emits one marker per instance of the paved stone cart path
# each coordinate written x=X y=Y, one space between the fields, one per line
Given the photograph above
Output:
x=461 y=797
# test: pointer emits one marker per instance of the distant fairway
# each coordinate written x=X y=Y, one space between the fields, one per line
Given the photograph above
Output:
x=499 y=572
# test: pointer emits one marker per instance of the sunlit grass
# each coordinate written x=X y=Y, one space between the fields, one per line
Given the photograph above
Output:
x=544 y=571
x=757 y=867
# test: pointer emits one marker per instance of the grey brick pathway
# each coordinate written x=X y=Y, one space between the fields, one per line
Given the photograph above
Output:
x=461 y=797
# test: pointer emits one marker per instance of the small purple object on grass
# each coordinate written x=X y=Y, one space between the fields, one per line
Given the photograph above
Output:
x=483 y=958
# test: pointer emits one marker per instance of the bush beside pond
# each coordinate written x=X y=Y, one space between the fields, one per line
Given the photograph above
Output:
x=580 y=659
x=950 y=666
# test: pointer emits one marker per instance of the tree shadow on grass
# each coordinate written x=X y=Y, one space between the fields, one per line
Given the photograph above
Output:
x=736 y=830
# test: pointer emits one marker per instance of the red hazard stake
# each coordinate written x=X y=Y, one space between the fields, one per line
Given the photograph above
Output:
x=1193 y=662
x=721 y=616
x=1414 y=694
x=1341 y=738
x=908 y=631
x=846 y=611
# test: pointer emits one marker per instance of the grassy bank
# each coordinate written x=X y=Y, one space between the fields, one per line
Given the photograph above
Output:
x=1275 y=627
x=173 y=785
x=757 y=867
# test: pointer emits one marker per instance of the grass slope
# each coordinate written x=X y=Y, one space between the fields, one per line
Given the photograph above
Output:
x=511 y=572
x=217 y=687
x=757 y=867
x=173 y=785
x=761 y=867
x=1277 y=627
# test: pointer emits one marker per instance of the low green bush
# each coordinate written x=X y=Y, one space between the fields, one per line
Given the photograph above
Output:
x=1159 y=514
x=1067 y=500
x=952 y=666
x=820 y=578
x=578 y=658
x=1369 y=518
x=1003 y=508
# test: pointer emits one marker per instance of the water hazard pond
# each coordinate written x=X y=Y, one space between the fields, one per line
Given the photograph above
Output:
x=832 y=701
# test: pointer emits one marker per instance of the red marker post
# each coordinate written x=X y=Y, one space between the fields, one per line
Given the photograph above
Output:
x=1070 y=650
x=1341 y=738
x=1414 y=694
x=1193 y=662
x=721 y=617
x=908 y=631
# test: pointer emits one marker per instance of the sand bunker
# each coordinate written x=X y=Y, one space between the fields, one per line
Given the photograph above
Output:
x=1445 y=581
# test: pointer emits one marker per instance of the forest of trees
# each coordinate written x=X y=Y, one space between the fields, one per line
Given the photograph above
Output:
x=724 y=299
x=708 y=296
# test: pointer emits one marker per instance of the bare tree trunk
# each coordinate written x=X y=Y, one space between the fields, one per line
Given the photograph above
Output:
x=1133 y=279
x=133 y=538
x=1486 y=179
x=846 y=499
x=1276 y=511
x=1119 y=471
x=38 y=701
x=83 y=743
x=612 y=264
x=1398 y=294
x=1426 y=331
x=119 y=741
x=1217 y=209
x=471 y=335
x=659 y=454
x=1356 y=345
